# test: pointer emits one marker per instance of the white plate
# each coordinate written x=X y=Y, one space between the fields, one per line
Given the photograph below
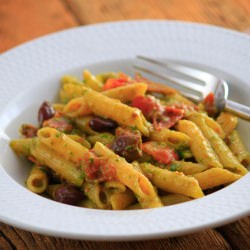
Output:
x=30 y=74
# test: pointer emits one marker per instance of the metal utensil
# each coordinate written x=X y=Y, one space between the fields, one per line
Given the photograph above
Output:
x=196 y=84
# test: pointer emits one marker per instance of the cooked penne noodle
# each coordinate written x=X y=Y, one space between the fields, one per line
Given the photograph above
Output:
x=212 y=124
x=62 y=144
x=121 y=200
x=187 y=168
x=199 y=146
x=77 y=107
x=127 y=93
x=227 y=121
x=172 y=199
x=37 y=180
x=237 y=147
x=22 y=146
x=119 y=112
x=70 y=91
x=83 y=141
x=104 y=138
x=173 y=182
x=97 y=195
x=58 y=163
x=215 y=177
x=226 y=157
x=174 y=139
x=115 y=186
x=129 y=176
x=91 y=81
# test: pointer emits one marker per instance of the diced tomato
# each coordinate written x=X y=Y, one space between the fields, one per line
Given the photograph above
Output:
x=147 y=104
x=122 y=80
x=170 y=117
x=97 y=168
x=114 y=83
x=209 y=104
x=160 y=152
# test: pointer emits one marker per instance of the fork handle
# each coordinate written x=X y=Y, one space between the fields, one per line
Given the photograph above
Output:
x=238 y=109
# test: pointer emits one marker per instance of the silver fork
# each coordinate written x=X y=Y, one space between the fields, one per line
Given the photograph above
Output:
x=196 y=85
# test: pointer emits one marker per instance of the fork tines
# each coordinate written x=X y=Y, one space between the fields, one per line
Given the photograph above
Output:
x=191 y=82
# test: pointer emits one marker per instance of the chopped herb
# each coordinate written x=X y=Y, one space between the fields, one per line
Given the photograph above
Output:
x=91 y=160
x=58 y=135
x=174 y=167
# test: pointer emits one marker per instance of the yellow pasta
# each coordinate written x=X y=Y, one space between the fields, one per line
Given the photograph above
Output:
x=77 y=107
x=97 y=195
x=37 y=180
x=226 y=157
x=127 y=175
x=173 y=182
x=119 y=112
x=70 y=91
x=91 y=81
x=238 y=149
x=62 y=144
x=188 y=168
x=199 y=146
x=121 y=200
x=127 y=93
x=22 y=146
x=215 y=177
x=172 y=199
x=174 y=139
x=227 y=121
x=58 y=163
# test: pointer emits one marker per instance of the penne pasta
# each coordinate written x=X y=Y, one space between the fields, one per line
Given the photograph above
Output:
x=62 y=144
x=215 y=177
x=37 y=180
x=187 y=168
x=127 y=175
x=226 y=157
x=227 y=121
x=117 y=111
x=58 y=163
x=238 y=149
x=173 y=182
x=174 y=139
x=199 y=146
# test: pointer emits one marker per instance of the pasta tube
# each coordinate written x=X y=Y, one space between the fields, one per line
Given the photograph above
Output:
x=37 y=180
x=215 y=177
x=91 y=81
x=226 y=157
x=127 y=93
x=57 y=162
x=121 y=200
x=172 y=199
x=62 y=144
x=173 y=182
x=22 y=146
x=237 y=147
x=129 y=176
x=227 y=121
x=199 y=146
x=97 y=195
x=187 y=168
x=174 y=139
x=117 y=111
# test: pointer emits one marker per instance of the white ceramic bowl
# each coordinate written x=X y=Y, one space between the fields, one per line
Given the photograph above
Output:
x=30 y=73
